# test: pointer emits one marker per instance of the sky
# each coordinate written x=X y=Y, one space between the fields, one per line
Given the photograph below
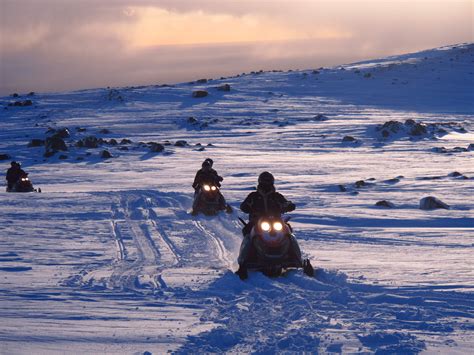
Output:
x=57 y=45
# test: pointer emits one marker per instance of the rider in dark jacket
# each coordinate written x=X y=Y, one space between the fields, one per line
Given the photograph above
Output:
x=206 y=175
x=13 y=175
x=263 y=202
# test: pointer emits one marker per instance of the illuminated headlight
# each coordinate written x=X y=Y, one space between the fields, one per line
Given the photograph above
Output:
x=24 y=179
x=207 y=188
x=213 y=188
x=265 y=226
x=277 y=226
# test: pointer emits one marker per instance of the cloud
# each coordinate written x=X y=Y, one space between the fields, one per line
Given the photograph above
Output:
x=55 y=45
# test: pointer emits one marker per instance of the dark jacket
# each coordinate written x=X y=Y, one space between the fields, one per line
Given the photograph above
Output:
x=260 y=203
x=14 y=174
x=207 y=177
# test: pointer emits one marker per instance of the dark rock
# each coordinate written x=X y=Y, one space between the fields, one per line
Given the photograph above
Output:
x=36 y=143
x=15 y=95
x=200 y=149
x=181 y=143
x=62 y=133
x=455 y=174
x=201 y=81
x=385 y=203
x=320 y=117
x=105 y=154
x=192 y=120
x=348 y=139
x=418 y=129
x=125 y=141
x=104 y=131
x=32 y=93
x=5 y=157
x=88 y=154
x=62 y=157
x=200 y=93
x=225 y=87
x=315 y=72
x=112 y=142
x=88 y=142
x=392 y=181
x=21 y=103
x=360 y=183
x=156 y=147
x=55 y=143
x=459 y=149
x=470 y=147
x=410 y=122
x=49 y=153
x=342 y=188
x=80 y=158
x=432 y=203
x=167 y=143
x=123 y=148
x=439 y=150
x=391 y=126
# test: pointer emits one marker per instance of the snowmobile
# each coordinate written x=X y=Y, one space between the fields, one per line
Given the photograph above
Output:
x=209 y=201
x=23 y=185
x=273 y=249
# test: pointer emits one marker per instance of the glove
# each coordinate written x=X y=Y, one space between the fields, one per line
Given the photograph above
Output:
x=290 y=207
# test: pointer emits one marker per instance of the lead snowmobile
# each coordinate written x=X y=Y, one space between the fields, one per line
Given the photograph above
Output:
x=209 y=201
x=23 y=185
x=272 y=249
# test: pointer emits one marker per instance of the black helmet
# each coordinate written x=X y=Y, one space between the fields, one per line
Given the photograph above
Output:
x=266 y=178
x=13 y=163
x=206 y=164
x=210 y=161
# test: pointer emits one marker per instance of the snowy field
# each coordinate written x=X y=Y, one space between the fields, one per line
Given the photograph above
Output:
x=107 y=259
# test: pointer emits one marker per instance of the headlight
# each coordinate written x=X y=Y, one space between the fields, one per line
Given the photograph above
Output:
x=213 y=188
x=277 y=226
x=207 y=187
x=265 y=226
x=24 y=179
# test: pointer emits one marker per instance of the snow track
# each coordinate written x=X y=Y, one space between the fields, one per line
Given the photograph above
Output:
x=112 y=262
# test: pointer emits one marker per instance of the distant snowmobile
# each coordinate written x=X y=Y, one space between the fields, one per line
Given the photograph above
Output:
x=23 y=185
x=209 y=201
x=274 y=249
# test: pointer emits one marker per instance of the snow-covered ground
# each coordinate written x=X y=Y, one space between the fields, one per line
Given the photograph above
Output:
x=107 y=258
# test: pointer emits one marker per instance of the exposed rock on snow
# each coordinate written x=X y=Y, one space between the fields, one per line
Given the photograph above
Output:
x=224 y=87
x=55 y=143
x=349 y=139
x=105 y=154
x=201 y=81
x=432 y=203
x=342 y=188
x=112 y=141
x=200 y=93
x=156 y=147
x=21 y=103
x=320 y=117
x=397 y=130
x=181 y=143
x=89 y=142
x=5 y=157
x=384 y=203
x=36 y=143
x=125 y=141
x=105 y=131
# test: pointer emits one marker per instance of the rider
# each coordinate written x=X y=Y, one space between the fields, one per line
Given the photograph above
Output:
x=207 y=175
x=13 y=175
x=263 y=202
